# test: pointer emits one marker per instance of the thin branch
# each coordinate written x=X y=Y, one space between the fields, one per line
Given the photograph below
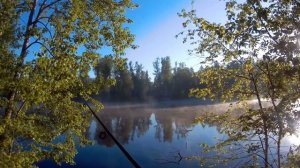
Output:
x=41 y=10
x=263 y=159
x=166 y=161
x=49 y=51
x=49 y=5
x=262 y=22
x=261 y=143
x=46 y=27
x=20 y=108
x=39 y=13
x=25 y=42
x=35 y=41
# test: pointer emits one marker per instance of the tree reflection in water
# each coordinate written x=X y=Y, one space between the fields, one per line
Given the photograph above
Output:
x=166 y=126
x=126 y=124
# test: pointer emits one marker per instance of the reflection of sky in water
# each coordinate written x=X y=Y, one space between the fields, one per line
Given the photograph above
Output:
x=153 y=136
x=295 y=138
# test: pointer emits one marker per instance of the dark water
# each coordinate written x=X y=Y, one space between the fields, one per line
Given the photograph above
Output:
x=152 y=136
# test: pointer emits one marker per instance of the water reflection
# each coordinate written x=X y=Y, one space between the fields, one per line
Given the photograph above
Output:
x=124 y=125
x=155 y=137
x=160 y=135
x=130 y=123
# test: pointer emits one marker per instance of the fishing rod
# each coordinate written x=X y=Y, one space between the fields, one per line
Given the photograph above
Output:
x=128 y=156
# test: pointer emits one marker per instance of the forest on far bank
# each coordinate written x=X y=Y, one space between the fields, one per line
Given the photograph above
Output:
x=129 y=82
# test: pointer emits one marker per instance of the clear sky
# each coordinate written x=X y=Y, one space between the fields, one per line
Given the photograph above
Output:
x=156 y=23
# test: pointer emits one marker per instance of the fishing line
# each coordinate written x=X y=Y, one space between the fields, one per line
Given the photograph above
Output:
x=128 y=156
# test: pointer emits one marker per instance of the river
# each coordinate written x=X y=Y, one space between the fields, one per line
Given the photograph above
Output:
x=153 y=136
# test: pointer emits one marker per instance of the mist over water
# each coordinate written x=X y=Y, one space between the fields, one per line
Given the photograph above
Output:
x=154 y=136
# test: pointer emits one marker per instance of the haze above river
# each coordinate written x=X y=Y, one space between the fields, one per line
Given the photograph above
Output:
x=154 y=136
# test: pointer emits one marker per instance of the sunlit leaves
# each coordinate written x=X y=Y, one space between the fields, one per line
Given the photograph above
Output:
x=254 y=54
x=44 y=65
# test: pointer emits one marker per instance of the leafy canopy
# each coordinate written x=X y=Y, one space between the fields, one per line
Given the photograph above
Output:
x=254 y=54
x=47 y=49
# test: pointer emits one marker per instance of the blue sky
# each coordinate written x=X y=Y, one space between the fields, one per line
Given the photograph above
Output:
x=156 y=23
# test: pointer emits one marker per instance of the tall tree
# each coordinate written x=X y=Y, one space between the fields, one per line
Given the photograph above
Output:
x=47 y=50
x=182 y=81
x=263 y=36
x=122 y=91
x=105 y=67
x=104 y=72
x=141 y=83
x=157 y=77
x=163 y=76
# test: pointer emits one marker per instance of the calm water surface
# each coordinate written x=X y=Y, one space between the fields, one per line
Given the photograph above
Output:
x=153 y=137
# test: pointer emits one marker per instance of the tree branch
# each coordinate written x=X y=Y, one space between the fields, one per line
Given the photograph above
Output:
x=46 y=27
x=26 y=40
x=49 y=51
x=262 y=22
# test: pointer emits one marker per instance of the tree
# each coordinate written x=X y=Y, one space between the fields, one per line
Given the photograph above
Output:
x=141 y=83
x=182 y=81
x=166 y=76
x=105 y=67
x=263 y=37
x=104 y=72
x=157 y=77
x=163 y=76
x=124 y=84
x=47 y=49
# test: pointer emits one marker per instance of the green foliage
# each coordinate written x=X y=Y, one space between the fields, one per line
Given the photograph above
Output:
x=47 y=50
x=141 y=82
x=172 y=83
x=257 y=50
x=132 y=83
x=128 y=83
x=124 y=84
x=183 y=79
x=163 y=76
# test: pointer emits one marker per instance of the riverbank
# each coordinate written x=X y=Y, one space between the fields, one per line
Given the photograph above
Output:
x=158 y=104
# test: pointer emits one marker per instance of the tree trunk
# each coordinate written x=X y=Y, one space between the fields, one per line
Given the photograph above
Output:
x=265 y=127
x=10 y=106
x=279 y=121
x=12 y=94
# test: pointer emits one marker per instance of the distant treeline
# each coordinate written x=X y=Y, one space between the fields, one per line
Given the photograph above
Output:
x=132 y=83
